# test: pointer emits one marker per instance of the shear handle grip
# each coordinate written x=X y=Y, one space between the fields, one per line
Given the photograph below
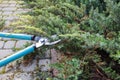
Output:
x=16 y=36
x=17 y=55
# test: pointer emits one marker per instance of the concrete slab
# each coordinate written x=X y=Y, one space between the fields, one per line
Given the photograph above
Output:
x=1 y=44
x=44 y=64
x=3 y=5
x=7 y=13
x=20 y=43
x=9 y=9
x=5 y=53
x=30 y=67
x=9 y=44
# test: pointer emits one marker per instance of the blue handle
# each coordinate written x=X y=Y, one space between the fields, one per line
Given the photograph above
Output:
x=17 y=36
x=17 y=55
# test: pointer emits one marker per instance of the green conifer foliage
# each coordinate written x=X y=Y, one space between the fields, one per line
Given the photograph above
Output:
x=88 y=28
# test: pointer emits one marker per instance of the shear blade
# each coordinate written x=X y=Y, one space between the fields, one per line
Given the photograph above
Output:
x=52 y=43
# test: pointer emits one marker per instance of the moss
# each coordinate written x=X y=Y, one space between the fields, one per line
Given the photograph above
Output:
x=3 y=70
x=2 y=22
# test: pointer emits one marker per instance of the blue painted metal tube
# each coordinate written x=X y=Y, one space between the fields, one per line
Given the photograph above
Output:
x=16 y=36
x=17 y=55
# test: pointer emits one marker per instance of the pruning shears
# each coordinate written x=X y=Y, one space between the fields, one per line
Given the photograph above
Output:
x=40 y=41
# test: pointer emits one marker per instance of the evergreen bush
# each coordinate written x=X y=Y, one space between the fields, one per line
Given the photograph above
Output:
x=89 y=30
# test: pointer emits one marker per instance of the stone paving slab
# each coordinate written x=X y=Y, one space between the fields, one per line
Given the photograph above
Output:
x=4 y=5
x=6 y=13
x=21 y=43
x=23 y=76
x=44 y=64
x=1 y=44
x=17 y=76
x=9 y=44
x=11 y=18
x=13 y=5
x=29 y=67
x=9 y=76
x=0 y=8
x=48 y=54
x=5 y=53
x=55 y=56
x=9 y=9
